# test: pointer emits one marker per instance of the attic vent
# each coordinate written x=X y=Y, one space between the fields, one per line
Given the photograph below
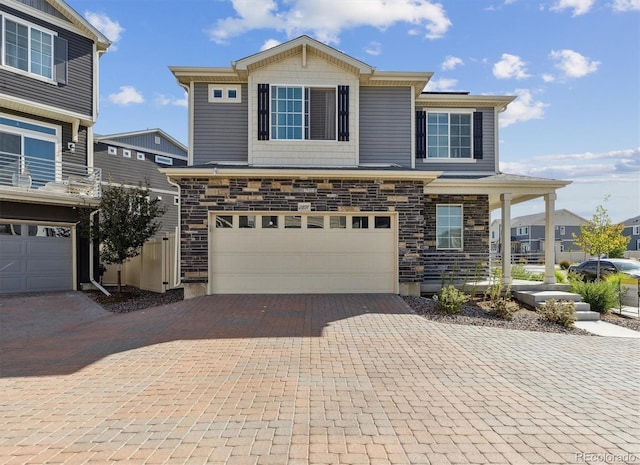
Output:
x=157 y=140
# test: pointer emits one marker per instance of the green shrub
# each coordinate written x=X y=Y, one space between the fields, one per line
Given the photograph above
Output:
x=616 y=281
x=504 y=308
x=520 y=272
x=560 y=276
x=450 y=300
x=601 y=295
x=499 y=297
x=561 y=312
x=564 y=264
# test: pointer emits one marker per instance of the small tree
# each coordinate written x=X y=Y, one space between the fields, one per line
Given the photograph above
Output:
x=600 y=237
x=127 y=219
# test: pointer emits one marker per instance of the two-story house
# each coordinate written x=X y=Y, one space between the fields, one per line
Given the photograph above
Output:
x=311 y=171
x=632 y=230
x=48 y=106
x=133 y=159
x=527 y=232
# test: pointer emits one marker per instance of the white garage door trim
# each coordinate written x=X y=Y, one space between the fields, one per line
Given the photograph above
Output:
x=318 y=252
x=41 y=241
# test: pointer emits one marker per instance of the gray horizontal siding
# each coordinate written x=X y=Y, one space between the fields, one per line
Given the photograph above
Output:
x=45 y=7
x=118 y=169
x=385 y=125
x=169 y=220
x=77 y=95
x=488 y=150
x=147 y=142
x=220 y=130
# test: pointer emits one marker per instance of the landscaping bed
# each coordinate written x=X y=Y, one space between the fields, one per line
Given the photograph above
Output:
x=131 y=299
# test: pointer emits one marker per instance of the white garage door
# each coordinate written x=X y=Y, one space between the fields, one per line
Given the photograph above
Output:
x=314 y=253
x=35 y=258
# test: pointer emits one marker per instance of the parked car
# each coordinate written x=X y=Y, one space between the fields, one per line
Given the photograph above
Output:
x=588 y=269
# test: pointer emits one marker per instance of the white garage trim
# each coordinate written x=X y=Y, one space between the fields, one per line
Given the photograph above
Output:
x=71 y=226
x=296 y=252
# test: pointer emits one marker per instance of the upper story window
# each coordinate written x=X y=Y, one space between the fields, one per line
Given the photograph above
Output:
x=449 y=135
x=227 y=94
x=164 y=160
x=522 y=231
x=33 y=50
x=636 y=230
x=303 y=113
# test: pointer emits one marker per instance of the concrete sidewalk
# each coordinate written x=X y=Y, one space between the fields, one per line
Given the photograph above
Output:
x=313 y=379
x=603 y=328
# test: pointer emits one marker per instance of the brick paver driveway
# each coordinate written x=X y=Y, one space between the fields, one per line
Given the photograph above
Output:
x=304 y=379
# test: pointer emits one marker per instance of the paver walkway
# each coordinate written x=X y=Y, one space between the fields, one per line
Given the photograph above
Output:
x=304 y=380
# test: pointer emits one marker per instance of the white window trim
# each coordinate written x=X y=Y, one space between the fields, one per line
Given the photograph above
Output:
x=164 y=160
x=461 y=226
x=140 y=156
x=126 y=153
x=225 y=93
x=469 y=111
x=303 y=87
x=637 y=244
x=563 y=230
x=56 y=139
x=522 y=231
x=3 y=65
x=635 y=231
x=111 y=150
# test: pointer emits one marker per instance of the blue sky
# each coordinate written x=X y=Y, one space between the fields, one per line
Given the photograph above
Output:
x=573 y=64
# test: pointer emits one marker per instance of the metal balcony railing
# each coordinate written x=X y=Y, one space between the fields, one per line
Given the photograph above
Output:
x=49 y=176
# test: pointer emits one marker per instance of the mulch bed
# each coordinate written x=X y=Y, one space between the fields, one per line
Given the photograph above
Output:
x=131 y=299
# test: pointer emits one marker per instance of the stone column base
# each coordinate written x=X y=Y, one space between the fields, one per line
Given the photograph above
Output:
x=192 y=290
x=409 y=289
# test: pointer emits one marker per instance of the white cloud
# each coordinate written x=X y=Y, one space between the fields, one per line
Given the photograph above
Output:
x=110 y=28
x=126 y=96
x=511 y=66
x=441 y=85
x=613 y=166
x=451 y=62
x=374 y=48
x=163 y=100
x=325 y=19
x=548 y=77
x=579 y=7
x=524 y=108
x=269 y=44
x=626 y=5
x=573 y=64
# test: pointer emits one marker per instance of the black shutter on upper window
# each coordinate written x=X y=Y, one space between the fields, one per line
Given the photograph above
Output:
x=60 y=59
x=477 y=135
x=421 y=134
x=343 y=113
x=263 y=111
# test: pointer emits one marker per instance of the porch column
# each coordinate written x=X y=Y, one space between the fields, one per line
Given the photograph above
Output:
x=550 y=238
x=506 y=237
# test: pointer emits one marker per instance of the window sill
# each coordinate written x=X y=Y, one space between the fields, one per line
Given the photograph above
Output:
x=449 y=160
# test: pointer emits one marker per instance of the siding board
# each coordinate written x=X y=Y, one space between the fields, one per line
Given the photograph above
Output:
x=385 y=125
x=220 y=130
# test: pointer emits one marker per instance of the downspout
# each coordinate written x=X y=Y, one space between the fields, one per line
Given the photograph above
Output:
x=176 y=253
x=91 y=278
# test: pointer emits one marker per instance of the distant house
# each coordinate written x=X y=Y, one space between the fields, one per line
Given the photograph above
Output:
x=632 y=229
x=527 y=232
x=133 y=159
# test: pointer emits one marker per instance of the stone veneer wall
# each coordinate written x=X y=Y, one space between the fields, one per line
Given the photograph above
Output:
x=201 y=195
x=474 y=258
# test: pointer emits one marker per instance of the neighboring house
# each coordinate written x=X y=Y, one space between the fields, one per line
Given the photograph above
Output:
x=494 y=229
x=528 y=233
x=632 y=229
x=133 y=158
x=311 y=171
x=49 y=58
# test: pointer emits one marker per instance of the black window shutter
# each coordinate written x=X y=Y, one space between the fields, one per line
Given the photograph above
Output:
x=421 y=134
x=263 y=111
x=343 y=113
x=60 y=59
x=477 y=135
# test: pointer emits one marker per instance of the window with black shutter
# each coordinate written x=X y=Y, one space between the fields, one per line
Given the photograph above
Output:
x=477 y=135
x=263 y=111
x=421 y=134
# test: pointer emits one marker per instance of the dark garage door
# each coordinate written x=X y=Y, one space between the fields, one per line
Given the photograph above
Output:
x=35 y=258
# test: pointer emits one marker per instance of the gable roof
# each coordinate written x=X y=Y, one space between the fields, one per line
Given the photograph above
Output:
x=635 y=221
x=538 y=219
x=122 y=135
x=304 y=46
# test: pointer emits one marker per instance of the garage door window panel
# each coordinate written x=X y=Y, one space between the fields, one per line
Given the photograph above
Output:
x=292 y=222
x=360 y=222
x=338 y=222
x=247 y=221
x=315 y=222
x=224 y=221
x=269 y=222
x=382 y=222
